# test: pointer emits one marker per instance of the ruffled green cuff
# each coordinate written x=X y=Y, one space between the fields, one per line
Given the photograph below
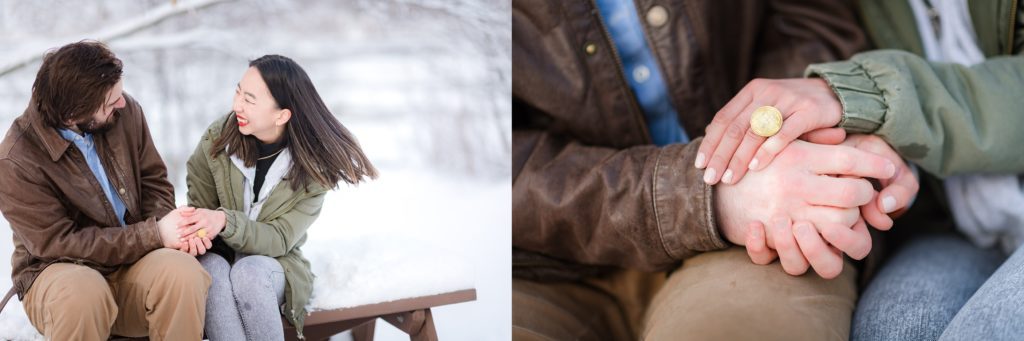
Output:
x=864 y=107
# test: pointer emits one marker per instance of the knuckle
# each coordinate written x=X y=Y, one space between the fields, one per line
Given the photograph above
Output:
x=790 y=134
x=771 y=87
x=859 y=193
x=863 y=247
x=757 y=83
x=848 y=217
x=834 y=236
x=739 y=161
x=846 y=195
x=812 y=251
x=750 y=135
x=716 y=122
x=782 y=243
x=829 y=271
x=845 y=163
x=805 y=103
x=717 y=161
x=796 y=269
x=735 y=131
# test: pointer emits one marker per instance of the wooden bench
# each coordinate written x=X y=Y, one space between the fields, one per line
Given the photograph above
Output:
x=410 y=315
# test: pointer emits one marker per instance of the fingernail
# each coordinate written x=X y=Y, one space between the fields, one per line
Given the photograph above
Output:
x=890 y=169
x=888 y=204
x=699 y=163
x=727 y=177
x=753 y=164
x=709 y=175
x=756 y=233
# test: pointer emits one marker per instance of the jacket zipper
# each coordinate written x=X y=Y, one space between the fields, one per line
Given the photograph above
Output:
x=622 y=74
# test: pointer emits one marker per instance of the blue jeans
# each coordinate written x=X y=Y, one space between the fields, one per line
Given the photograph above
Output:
x=244 y=298
x=943 y=287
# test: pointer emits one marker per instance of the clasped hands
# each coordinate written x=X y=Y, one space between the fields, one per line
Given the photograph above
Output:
x=804 y=197
x=191 y=229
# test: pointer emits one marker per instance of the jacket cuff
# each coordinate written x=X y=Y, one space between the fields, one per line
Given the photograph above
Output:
x=150 y=234
x=864 y=107
x=229 y=224
x=684 y=204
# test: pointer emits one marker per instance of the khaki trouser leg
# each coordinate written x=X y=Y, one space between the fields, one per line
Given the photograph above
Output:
x=71 y=302
x=607 y=308
x=162 y=296
x=723 y=296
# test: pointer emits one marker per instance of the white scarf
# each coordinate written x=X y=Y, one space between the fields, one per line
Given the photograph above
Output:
x=989 y=209
x=278 y=169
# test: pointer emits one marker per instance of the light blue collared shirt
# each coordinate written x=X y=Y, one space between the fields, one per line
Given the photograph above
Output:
x=642 y=71
x=86 y=145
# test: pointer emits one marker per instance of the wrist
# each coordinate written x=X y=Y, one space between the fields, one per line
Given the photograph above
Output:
x=222 y=220
x=727 y=226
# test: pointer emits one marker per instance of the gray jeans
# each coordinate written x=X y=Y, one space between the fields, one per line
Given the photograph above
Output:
x=944 y=288
x=244 y=298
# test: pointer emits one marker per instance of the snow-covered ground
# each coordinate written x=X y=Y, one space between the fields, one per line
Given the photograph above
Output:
x=424 y=84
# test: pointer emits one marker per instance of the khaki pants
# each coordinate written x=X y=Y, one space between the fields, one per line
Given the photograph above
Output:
x=714 y=296
x=161 y=296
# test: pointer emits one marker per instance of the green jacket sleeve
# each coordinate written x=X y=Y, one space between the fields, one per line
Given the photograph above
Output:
x=279 y=235
x=947 y=118
x=202 y=190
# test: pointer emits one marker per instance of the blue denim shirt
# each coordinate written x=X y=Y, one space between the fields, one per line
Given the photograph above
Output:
x=86 y=145
x=642 y=72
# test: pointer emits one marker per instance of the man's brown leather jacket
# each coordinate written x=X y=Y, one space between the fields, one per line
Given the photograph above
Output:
x=589 y=189
x=57 y=209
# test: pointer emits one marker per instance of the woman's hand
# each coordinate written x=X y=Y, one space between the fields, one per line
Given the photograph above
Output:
x=199 y=227
x=896 y=192
x=808 y=106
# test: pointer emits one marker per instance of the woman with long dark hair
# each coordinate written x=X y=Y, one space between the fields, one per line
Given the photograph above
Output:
x=258 y=179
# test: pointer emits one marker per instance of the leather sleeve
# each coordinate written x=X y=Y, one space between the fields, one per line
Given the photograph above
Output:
x=796 y=33
x=642 y=207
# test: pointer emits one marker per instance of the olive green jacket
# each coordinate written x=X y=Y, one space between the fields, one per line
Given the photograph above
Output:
x=280 y=229
x=947 y=118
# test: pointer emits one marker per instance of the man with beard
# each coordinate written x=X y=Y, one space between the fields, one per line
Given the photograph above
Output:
x=87 y=197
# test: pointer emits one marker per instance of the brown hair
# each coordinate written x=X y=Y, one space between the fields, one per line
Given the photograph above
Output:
x=323 y=150
x=73 y=82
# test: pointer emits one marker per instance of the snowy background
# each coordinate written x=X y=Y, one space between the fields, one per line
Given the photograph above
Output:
x=424 y=85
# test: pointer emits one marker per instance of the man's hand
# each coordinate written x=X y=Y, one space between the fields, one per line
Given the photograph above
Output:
x=199 y=227
x=168 y=226
x=808 y=183
x=808 y=106
x=798 y=246
x=790 y=242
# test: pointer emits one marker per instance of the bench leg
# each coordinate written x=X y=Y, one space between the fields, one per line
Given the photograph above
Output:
x=364 y=332
x=427 y=332
x=419 y=324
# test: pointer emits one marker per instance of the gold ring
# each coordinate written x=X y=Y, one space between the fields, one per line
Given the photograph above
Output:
x=201 y=233
x=766 y=121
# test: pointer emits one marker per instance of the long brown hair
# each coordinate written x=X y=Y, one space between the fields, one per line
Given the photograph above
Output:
x=73 y=82
x=323 y=150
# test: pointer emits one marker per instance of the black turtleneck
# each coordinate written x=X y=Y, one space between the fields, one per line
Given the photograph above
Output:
x=268 y=153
